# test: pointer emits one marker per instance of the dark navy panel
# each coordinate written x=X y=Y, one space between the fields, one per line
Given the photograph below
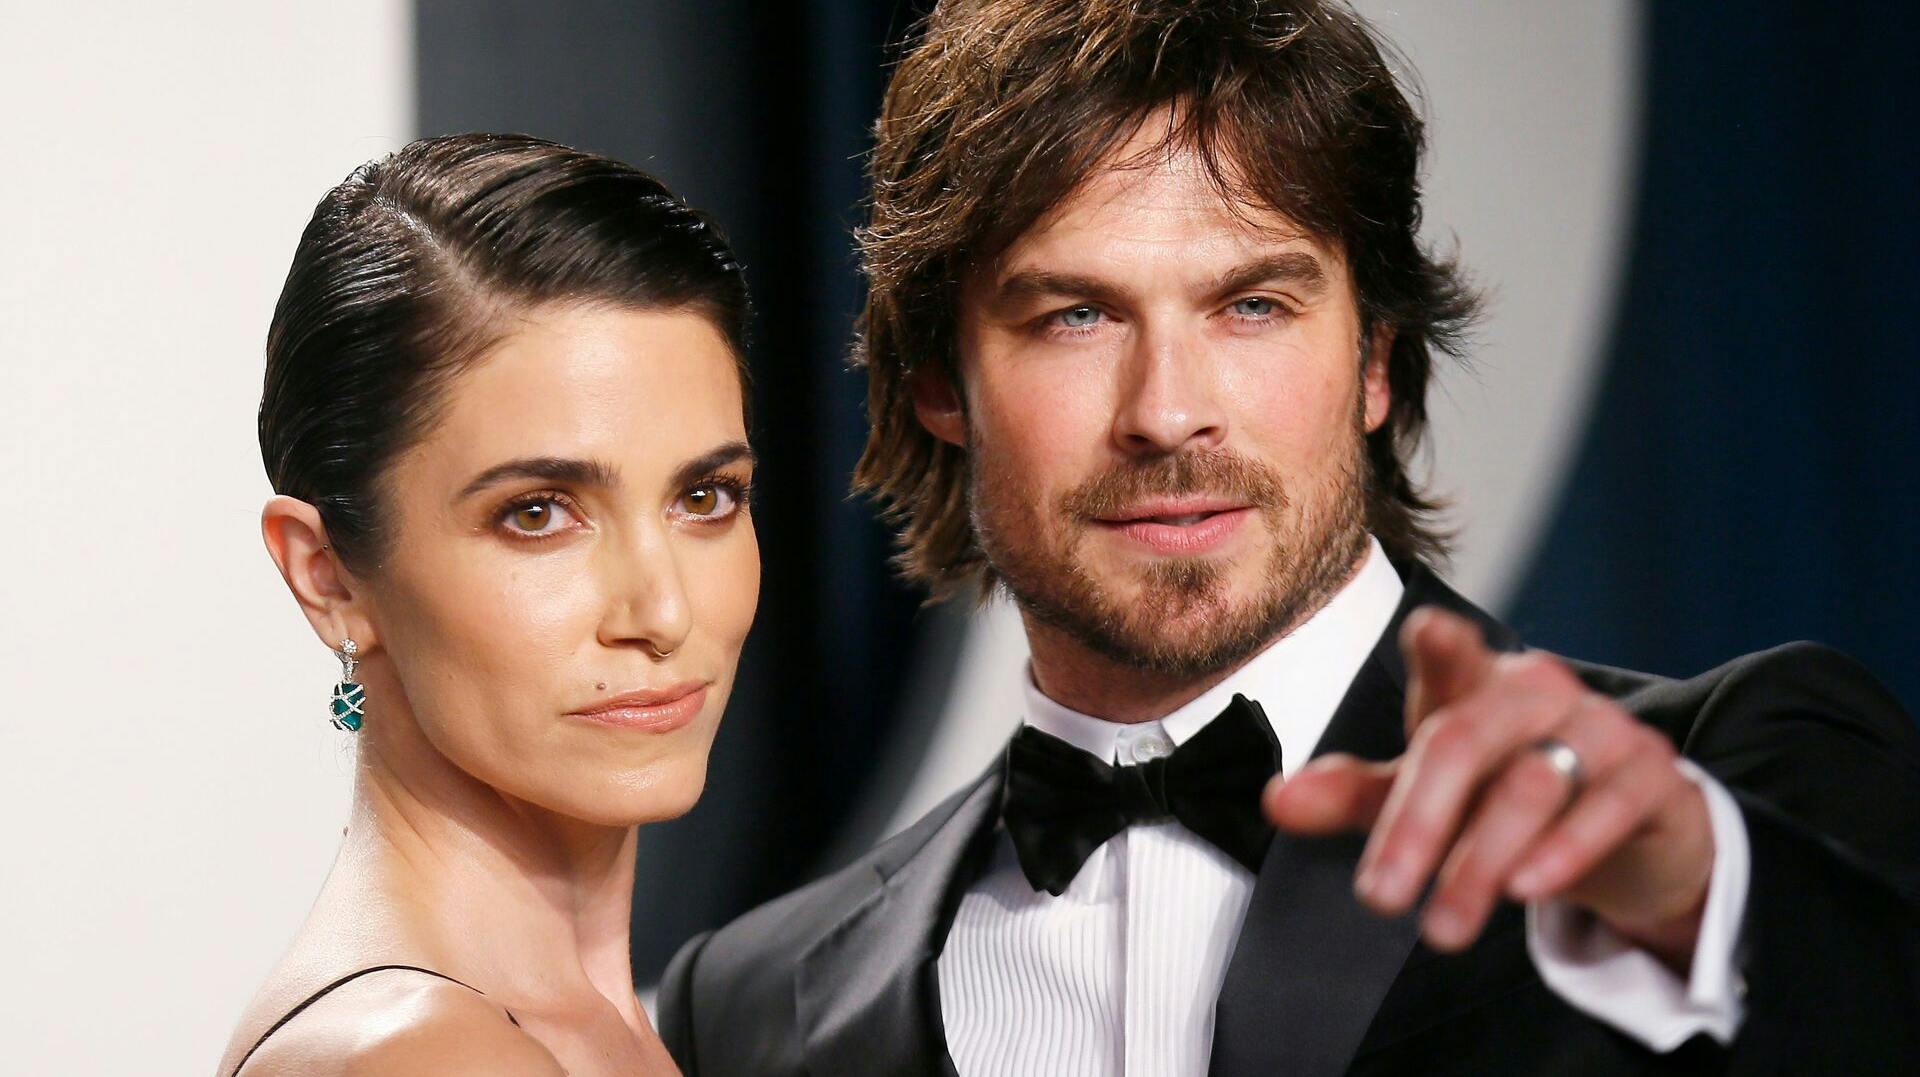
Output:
x=1749 y=475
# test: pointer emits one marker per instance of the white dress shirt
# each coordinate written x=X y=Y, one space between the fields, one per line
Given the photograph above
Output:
x=1119 y=975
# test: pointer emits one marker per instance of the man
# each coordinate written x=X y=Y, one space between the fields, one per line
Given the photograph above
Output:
x=1148 y=341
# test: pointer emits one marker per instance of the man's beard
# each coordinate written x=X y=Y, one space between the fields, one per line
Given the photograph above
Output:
x=1184 y=619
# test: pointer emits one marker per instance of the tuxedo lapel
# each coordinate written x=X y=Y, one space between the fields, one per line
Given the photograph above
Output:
x=1312 y=964
x=866 y=995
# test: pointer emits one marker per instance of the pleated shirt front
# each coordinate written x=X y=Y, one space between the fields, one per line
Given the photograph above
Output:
x=1119 y=975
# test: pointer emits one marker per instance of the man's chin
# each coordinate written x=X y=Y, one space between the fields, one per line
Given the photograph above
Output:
x=1187 y=589
x=1179 y=649
x=1173 y=629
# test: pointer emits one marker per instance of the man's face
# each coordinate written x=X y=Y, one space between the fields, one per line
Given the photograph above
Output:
x=1166 y=399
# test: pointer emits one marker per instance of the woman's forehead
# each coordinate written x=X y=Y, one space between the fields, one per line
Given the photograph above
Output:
x=634 y=387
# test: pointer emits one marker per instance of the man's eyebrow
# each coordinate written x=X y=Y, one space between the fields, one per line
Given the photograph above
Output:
x=1028 y=284
x=708 y=462
x=562 y=469
x=1298 y=268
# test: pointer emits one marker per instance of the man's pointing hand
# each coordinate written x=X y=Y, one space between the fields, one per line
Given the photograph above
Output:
x=1518 y=781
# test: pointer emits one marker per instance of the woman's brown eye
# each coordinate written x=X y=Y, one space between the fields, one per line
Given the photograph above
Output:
x=709 y=501
x=542 y=517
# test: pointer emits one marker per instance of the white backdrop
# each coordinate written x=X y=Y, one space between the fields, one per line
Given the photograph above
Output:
x=170 y=791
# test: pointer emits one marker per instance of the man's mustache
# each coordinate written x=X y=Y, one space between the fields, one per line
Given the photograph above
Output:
x=1214 y=473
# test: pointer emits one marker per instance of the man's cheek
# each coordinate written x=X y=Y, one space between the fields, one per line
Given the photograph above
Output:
x=1056 y=435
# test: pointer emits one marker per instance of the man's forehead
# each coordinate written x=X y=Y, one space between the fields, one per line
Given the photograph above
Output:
x=1199 y=250
x=1164 y=199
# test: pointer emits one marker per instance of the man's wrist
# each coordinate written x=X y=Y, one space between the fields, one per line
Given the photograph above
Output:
x=1671 y=939
x=1669 y=929
x=1650 y=997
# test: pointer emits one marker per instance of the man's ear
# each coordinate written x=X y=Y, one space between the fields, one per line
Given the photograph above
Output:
x=936 y=403
x=297 y=541
x=1376 y=387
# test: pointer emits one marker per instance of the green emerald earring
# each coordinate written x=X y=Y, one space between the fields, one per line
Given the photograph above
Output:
x=348 y=707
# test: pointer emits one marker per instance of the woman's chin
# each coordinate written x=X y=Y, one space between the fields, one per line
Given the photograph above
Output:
x=666 y=789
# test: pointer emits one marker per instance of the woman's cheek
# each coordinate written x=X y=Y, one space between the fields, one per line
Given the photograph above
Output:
x=557 y=602
x=511 y=637
x=727 y=586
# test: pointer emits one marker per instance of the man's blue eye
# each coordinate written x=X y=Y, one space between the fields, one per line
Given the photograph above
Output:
x=1253 y=306
x=1079 y=317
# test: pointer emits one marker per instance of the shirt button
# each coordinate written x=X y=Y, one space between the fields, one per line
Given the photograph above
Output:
x=1151 y=747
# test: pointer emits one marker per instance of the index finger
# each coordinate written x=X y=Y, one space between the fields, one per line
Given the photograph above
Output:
x=1447 y=658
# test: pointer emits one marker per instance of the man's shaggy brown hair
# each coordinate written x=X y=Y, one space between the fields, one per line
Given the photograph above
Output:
x=1001 y=108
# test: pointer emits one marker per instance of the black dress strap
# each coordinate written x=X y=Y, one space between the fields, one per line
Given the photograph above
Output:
x=342 y=981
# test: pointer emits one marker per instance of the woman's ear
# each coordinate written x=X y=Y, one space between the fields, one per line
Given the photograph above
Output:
x=297 y=542
x=936 y=403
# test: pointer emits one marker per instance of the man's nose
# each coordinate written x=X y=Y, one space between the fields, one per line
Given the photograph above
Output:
x=1169 y=399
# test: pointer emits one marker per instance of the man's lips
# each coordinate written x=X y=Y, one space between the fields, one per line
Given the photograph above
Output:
x=649 y=710
x=1172 y=509
x=1178 y=526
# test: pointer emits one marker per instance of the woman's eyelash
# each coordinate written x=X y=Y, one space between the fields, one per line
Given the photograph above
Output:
x=537 y=497
x=741 y=490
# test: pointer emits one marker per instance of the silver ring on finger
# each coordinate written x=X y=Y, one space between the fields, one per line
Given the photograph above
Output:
x=1564 y=760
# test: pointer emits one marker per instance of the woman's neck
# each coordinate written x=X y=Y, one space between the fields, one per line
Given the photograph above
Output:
x=514 y=899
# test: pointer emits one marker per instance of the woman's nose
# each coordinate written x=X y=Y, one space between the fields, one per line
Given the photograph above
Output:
x=646 y=598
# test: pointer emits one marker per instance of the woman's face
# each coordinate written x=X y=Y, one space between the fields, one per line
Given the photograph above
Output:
x=572 y=569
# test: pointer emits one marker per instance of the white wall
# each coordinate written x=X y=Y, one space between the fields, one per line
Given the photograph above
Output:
x=170 y=791
x=1532 y=112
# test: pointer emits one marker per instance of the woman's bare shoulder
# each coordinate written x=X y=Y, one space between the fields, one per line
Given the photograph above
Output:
x=402 y=1022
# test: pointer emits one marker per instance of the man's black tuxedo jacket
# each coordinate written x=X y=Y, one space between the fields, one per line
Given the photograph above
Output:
x=838 y=978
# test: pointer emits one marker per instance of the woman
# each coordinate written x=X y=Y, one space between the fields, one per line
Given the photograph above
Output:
x=503 y=418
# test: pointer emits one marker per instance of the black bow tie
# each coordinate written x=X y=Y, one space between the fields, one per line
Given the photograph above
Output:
x=1061 y=803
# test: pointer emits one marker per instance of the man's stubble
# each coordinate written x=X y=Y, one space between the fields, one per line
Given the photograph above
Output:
x=1183 y=620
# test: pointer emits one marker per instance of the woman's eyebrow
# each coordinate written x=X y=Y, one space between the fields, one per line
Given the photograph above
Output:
x=562 y=469
x=701 y=466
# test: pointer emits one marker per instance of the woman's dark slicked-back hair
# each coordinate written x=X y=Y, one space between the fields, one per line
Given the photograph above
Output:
x=408 y=271
x=1001 y=108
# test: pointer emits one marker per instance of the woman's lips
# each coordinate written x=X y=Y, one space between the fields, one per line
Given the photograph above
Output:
x=1182 y=533
x=660 y=711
